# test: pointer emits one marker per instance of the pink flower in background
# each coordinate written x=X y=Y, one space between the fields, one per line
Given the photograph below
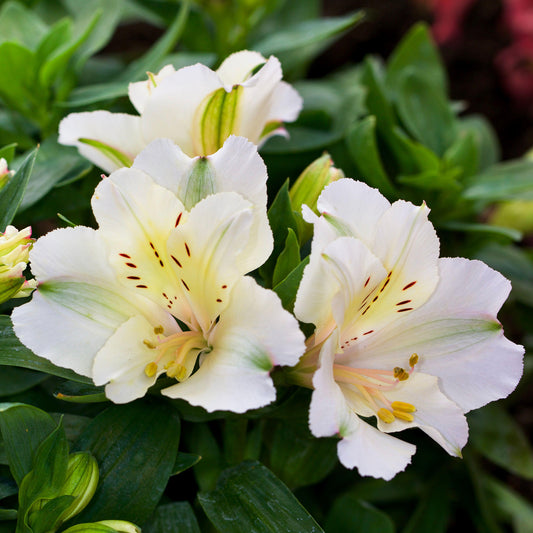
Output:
x=518 y=17
x=448 y=18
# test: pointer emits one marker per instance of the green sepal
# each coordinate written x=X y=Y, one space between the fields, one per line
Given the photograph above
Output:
x=288 y=259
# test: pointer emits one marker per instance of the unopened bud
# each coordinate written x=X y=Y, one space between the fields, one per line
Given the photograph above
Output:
x=14 y=254
x=308 y=187
x=5 y=173
x=105 y=526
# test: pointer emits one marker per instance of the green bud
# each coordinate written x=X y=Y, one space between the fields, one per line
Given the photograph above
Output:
x=308 y=187
x=514 y=214
x=200 y=183
x=105 y=526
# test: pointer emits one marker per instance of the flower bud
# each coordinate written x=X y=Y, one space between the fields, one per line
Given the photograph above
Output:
x=5 y=173
x=308 y=187
x=14 y=254
x=105 y=526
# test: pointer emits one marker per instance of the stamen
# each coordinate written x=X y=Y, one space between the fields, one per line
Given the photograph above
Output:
x=150 y=344
x=403 y=416
x=158 y=330
x=150 y=370
x=403 y=406
x=400 y=374
x=413 y=360
x=386 y=415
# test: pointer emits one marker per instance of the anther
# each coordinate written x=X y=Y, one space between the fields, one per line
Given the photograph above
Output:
x=150 y=345
x=386 y=415
x=413 y=360
x=158 y=330
x=403 y=406
x=402 y=415
x=150 y=369
x=400 y=374
x=177 y=371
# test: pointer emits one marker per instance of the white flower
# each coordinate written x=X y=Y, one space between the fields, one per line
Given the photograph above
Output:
x=195 y=107
x=108 y=299
x=401 y=335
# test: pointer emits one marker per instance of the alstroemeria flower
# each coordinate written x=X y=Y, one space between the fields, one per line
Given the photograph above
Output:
x=161 y=288
x=195 y=107
x=401 y=335
x=14 y=252
x=5 y=173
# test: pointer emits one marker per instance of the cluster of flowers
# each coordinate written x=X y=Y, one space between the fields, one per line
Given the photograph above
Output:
x=401 y=336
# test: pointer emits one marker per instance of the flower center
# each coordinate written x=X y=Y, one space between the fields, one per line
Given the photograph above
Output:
x=175 y=354
x=371 y=383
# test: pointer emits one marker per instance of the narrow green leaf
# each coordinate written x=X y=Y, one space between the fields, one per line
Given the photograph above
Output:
x=21 y=25
x=137 y=441
x=425 y=112
x=7 y=152
x=184 y=461
x=512 y=180
x=417 y=50
x=463 y=153
x=137 y=69
x=468 y=227
x=497 y=436
x=23 y=428
x=57 y=35
x=519 y=510
x=288 y=259
x=55 y=164
x=250 y=498
x=298 y=458
x=489 y=151
x=176 y=517
x=362 y=146
x=11 y=194
x=14 y=353
x=17 y=380
x=443 y=180
x=351 y=515
x=287 y=288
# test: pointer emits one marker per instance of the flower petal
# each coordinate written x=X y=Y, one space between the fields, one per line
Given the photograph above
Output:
x=119 y=131
x=235 y=375
x=140 y=91
x=171 y=110
x=286 y=106
x=237 y=67
x=136 y=217
x=78 y=304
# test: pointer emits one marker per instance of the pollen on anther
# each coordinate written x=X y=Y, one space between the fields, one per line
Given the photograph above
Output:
x=150 y=370
x=158 y=330
x=413 y=360
x=400 y=374
x=385 y=415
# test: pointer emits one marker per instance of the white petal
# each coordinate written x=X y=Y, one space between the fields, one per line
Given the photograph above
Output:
x=166 y=164
x=456 y=336
x=121 y=361
x=171 y=109
x=140 y=91
x=374 y=453
x=136 y=217
x=435 y=414
x=120 y=131
x=286 y=103
x=79 y=303
x=212 y=250
x=355 y=206
x=238 y=66
x=257 y=100
x=235 y=376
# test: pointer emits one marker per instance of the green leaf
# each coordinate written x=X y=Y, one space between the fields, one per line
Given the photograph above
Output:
x=176 y=517
x=20 y=25
x=12 y=193
x=137 y=69
x=17 y=380
x=137 y=441
x=417 y=51
x=485 y=137
x=184 y=461
x=8 y=514
x=18 y=86
x=14 y=353
x=519 y=510
x=469 y=227
x=55 y=164
x=23 y=428
x=7 y=152
x=362 y=146
x=443 y=180
x=512 y=180
x=425 y=112
x=201 y=440
x=463 y=153
x=515 y=265
x=57 y=35
x=49 y=517
x=249 y=498
x=281 y=218
x=300 y=43
x=351 y=515
x=497 y=436
x=92 y=94
x=288 y=259
x=298 y=458
x=287 y=288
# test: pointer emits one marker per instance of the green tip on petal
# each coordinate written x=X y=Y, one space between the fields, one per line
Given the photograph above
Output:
x=118 y=157
x=200 y=183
